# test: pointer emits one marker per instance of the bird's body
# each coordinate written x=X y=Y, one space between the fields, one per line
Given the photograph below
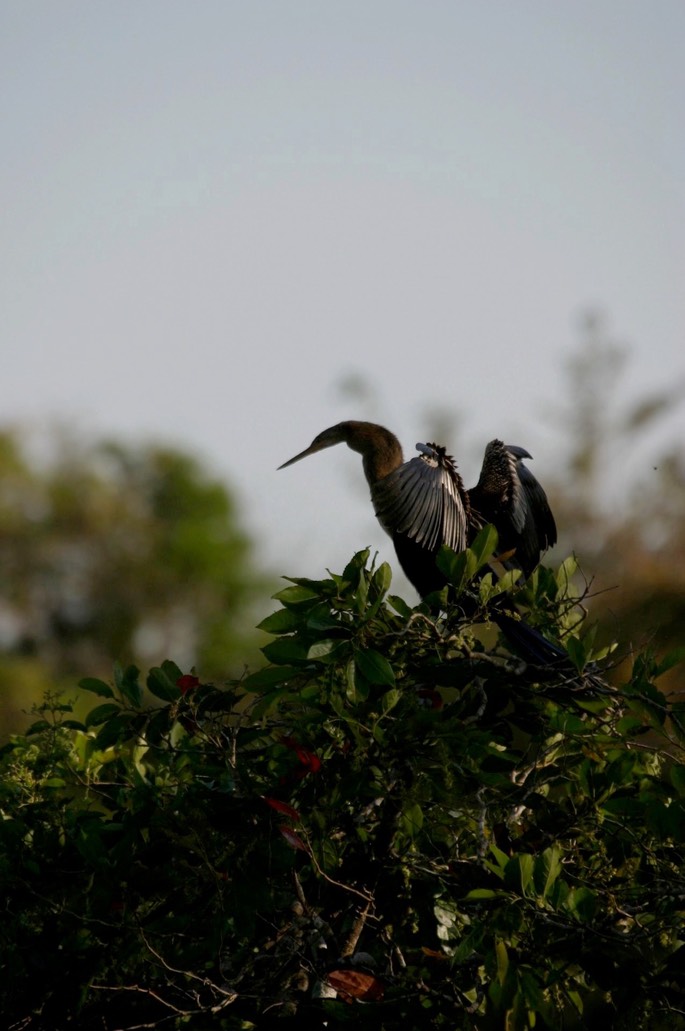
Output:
x=423 y=504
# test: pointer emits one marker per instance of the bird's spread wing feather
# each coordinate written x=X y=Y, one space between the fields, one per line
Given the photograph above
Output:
x=424 y=499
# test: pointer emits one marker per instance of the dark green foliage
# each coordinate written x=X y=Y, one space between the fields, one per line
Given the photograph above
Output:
x=391 y=808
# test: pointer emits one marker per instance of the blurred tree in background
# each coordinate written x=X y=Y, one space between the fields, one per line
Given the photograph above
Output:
x=112 y=552
x=621 y=511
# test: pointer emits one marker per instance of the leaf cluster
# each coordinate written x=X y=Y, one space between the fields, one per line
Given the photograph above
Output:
x=395 y=822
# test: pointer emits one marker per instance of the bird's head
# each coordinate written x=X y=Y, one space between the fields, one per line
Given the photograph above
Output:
x=327 y=438
x=379 y=448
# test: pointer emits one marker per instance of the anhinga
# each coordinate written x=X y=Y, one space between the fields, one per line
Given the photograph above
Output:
x=423 y=504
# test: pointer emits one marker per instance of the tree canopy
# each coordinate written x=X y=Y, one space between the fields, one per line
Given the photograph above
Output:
x=394 y=823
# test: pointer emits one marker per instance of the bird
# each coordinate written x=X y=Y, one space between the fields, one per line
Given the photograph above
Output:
x=422 y=504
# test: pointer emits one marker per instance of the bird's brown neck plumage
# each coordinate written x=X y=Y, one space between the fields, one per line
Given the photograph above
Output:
x=380 y=449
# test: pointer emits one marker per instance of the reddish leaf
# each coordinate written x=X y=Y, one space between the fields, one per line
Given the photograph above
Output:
x=433 y=953
x=282 y=807
x=187 y=683
x=293 y=839
x=308 y=759
x=355 y=984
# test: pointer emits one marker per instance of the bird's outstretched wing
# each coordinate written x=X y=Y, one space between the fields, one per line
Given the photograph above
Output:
x=425 y=500
x=508 y=496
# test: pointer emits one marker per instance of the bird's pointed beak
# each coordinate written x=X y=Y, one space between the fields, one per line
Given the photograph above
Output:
x=311 y=450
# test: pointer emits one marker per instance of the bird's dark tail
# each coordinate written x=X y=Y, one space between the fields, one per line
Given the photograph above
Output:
x=530 y=644
x=549 y=657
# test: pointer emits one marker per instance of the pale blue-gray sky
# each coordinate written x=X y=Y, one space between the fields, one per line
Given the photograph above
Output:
x=214 y=213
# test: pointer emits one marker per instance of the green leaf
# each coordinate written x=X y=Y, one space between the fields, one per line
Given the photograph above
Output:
x=374 y=666
x=38 y=727
x=462 y=567
x=400 y=606
x=117 y=729
x=284 y=621
x=96 y=686
x=329 y=649
x=577 y=652
x=445 y=914
x=547 y=869
x=357 y=686
x=127 y=682
x=321 y=618
x=501 y=858
x=484 y=546
x=284 y=651
x=89 y=842
x=565 y=574
x=270 y=676
x=169 y=667
x=677 y=775
x=454 y=566
x=158 y=725
x=161 y=685
x=382 y=579
x=296 y=595
x=411 y=820
x=379 y=735
x=502 y=961
x=653 y=713
x=626 y=807
x=101 y=713
x=518 y=872
x=529 y=994
x=73 y=725
x=628 y=726
x=355 y=567
x=470 y=944
x=671 y=659
x=360 y=590
x=489 y=589
x=581 y=903
x=390 y=700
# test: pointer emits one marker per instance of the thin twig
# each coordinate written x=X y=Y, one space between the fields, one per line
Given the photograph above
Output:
x=350 y=946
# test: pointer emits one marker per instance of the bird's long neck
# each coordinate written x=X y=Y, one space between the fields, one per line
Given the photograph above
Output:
x=380 y=449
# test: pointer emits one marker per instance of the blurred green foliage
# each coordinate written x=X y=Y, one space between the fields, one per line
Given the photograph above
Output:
x=389 y=825
x=620 y=509
x=113 y=552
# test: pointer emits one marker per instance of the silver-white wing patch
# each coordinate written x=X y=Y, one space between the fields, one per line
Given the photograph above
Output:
x=423 y=500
